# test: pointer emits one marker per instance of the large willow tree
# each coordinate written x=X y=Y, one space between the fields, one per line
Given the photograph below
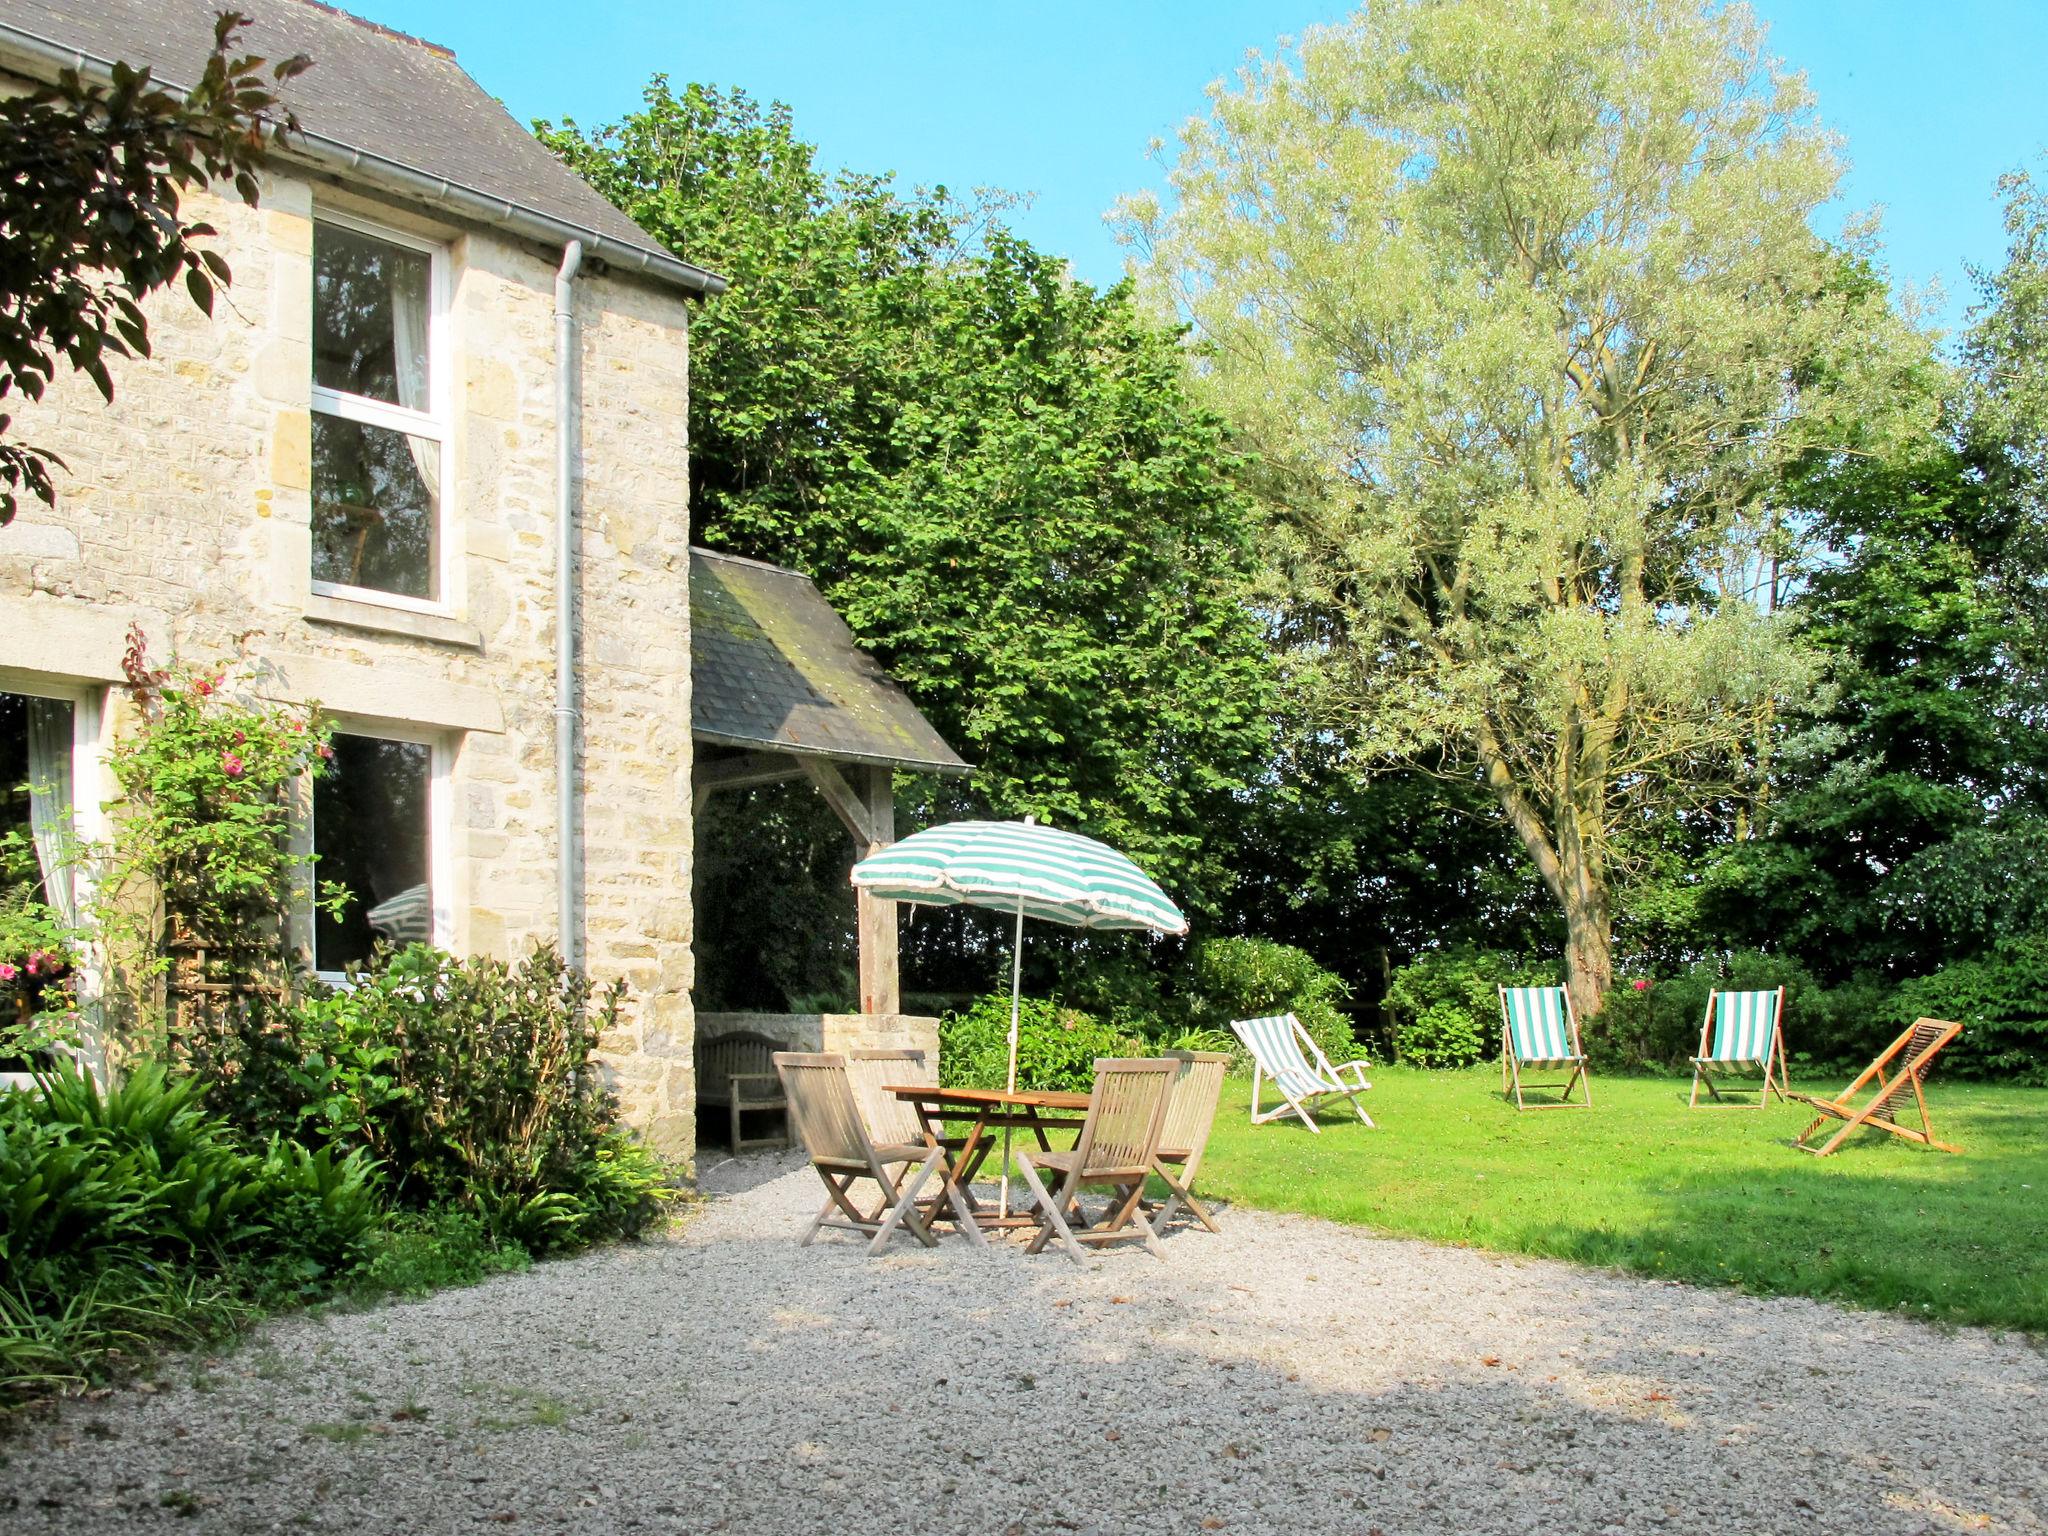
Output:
x=1519 y=304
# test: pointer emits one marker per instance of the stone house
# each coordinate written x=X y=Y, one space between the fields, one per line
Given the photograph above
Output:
x=442 y=358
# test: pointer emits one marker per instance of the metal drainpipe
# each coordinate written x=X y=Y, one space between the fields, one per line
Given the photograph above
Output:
x=565 y=605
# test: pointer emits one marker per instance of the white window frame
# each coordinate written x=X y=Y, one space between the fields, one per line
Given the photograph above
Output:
x=441 y=749
x=436 y=424
x=88 y=787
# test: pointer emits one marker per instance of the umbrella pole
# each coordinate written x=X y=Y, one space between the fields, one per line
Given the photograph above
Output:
x=1016 y=993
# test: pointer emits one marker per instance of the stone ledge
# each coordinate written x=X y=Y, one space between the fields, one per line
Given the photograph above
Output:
x=384 y=691
x=353 y=613
x=67 y=637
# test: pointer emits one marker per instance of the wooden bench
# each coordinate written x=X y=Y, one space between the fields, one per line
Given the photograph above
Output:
x=737 y=1072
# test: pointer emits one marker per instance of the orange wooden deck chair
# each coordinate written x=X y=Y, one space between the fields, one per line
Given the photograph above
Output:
x=1908 y=1057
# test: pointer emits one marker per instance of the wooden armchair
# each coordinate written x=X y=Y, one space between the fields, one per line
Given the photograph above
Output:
x=736 y=1072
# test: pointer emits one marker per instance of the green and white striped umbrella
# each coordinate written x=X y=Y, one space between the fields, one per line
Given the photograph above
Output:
x=1022 y=868
x=1012 y=866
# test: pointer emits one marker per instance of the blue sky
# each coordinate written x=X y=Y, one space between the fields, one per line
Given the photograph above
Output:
x=1059 y=100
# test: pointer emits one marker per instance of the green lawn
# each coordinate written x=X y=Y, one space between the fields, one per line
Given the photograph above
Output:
x=1641 y=1183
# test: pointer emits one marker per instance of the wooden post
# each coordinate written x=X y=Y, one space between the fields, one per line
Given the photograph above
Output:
x=865 y=800
x=879 y=990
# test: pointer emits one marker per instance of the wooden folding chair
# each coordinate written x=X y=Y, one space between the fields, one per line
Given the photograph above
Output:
x=1741 y=1029
x=1119 y=1143
x=1918 y=1047
x=1184 y=1138
x=1283 y=1050
x=828 y=1122
x=1538 y=1029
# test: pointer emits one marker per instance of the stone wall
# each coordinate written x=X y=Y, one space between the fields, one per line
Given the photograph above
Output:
x=831 y=1031
x=186 y=506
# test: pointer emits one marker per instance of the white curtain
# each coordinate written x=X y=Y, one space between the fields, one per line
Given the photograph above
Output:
x=409 y=337
x=49 y=801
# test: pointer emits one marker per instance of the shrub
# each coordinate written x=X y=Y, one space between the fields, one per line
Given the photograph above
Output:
x=471 y=1081
x=134 y=1215
x=1247 y=978
x=1056 y=1047
x=1444 y=1007
x=2000 y=999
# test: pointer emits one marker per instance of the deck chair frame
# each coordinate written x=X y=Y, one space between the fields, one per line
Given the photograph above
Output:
x=1118 y=1147
x=1184 y=1138
x=1919 y=1045
x=1511 y=1062
x=1303 y=1083
x=1706 y=1063
x=827 y=1121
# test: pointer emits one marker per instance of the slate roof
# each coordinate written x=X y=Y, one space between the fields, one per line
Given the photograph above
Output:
x=371 y=92
x=773 y=667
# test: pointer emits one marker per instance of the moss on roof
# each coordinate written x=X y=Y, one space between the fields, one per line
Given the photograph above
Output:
x=773 y=667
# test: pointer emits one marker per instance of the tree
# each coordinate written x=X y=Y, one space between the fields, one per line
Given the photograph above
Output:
x=1911 y=817
x=90 y=221
x=994 y=472
x=1519 y=307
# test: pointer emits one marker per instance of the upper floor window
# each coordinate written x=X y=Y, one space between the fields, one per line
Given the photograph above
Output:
x=380 y=428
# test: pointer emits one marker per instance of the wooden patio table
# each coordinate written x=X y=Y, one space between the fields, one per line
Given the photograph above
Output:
x=988 y=1109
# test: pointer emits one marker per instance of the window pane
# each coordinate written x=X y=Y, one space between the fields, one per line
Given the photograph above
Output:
x=370 y=833
x=370 y=317
x=35 y=803
x=375 y=507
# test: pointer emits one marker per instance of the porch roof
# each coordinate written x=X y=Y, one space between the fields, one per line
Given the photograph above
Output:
x=774 y=668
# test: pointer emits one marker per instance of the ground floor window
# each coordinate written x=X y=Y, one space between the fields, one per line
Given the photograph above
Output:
x=40 y=887
x=373 y=833
x=36 y=832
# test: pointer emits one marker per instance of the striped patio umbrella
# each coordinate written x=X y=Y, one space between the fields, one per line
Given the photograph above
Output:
x=1020 y=867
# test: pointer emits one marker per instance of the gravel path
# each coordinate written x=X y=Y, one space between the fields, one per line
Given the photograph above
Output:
x=1288 y=1375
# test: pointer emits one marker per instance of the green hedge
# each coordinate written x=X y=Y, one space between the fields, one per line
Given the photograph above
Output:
x=1249 y=978
x=1056 y=1047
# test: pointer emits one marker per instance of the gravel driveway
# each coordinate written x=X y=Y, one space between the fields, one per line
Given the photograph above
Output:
x=1288 y=1375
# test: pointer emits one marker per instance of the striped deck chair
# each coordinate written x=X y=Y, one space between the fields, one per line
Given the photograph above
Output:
x=1284 y=1051
x=1741 y=1029
x=1917 y=1047
x=1539 y=1029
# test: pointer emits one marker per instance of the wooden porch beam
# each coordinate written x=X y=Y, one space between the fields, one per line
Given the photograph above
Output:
x=743 y=772
x=850 y=804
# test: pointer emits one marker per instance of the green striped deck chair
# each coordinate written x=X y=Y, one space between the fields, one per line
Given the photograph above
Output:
x=1742 y=1031
x=1538 y=1029
x=1288 y=1054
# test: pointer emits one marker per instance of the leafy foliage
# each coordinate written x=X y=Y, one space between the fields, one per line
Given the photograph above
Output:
x=1444 y=1006
x=209 y=781
x=1506 y=297
x=2000 y=998
x=1056 y=1047
x=1245 y=978
x=995 y=473
x=90 y=216
x=471 y=1082
x=132 y=1215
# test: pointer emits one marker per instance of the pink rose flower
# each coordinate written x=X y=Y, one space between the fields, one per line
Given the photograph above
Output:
x=231 y=765
x=34 y=964
x=7 y=972
x=326 y=753
x=240 y=737
x=202 y=687
x=1642 y=986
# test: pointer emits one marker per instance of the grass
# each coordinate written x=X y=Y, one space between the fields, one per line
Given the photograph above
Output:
x=1640 y=1183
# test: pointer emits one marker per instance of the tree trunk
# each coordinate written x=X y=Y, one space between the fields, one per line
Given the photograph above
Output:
x=1589 y=947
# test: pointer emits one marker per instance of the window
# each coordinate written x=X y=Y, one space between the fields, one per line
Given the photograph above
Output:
x=36 y=743
x=380 y=435
x=374 y=814
x=46 y=755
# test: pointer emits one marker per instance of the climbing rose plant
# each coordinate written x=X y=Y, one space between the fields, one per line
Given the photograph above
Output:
x=208 y=784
